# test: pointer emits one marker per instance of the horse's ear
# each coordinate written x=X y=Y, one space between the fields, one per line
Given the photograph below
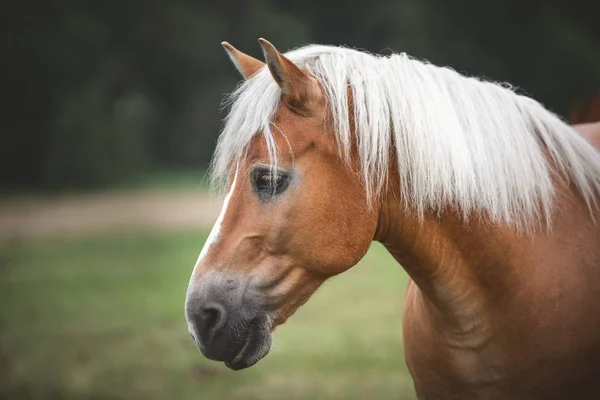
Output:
x=300 y=91
x=245 y=64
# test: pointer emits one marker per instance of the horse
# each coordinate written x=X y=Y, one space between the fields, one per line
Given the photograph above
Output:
x=488 y=200
x=586 y=120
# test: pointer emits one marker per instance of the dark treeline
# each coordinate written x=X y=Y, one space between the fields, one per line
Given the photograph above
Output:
x=95 y=91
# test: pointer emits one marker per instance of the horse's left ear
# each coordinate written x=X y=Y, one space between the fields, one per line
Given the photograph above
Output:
x=301 y=92
x=245 y=64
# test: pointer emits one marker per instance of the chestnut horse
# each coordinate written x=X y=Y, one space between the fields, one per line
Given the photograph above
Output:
x=486 y=199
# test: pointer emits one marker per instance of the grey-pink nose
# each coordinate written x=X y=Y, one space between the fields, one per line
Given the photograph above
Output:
x=207 y=324
x=227 y=321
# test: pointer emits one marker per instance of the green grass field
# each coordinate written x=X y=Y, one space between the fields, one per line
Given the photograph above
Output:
x=102 y=318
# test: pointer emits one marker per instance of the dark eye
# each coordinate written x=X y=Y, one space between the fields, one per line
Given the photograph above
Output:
x=268 y=183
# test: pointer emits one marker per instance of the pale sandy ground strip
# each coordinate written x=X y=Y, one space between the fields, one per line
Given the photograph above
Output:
x=105 y=212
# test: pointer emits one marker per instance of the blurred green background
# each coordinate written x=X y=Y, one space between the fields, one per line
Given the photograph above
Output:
x=110 y=116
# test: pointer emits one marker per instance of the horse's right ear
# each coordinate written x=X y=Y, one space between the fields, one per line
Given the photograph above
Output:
x=245 y=64
x=300 y=91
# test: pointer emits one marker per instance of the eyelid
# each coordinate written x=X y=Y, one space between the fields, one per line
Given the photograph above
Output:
x=271 y=169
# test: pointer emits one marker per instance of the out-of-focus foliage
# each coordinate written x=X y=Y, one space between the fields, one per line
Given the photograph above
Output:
x=97 y=91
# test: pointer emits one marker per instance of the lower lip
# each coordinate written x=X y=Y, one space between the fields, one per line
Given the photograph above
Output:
x=239 y=356
x=238 y=363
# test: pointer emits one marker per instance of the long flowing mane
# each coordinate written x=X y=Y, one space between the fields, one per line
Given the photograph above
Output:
x=458 y=141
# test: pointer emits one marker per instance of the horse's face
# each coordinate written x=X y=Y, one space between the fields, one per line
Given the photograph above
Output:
x=280 y=235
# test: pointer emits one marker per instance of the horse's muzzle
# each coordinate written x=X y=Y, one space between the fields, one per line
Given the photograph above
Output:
x=226 y=321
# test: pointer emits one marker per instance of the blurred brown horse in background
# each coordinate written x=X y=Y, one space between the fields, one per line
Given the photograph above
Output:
x=586 y=120
x=486 y=199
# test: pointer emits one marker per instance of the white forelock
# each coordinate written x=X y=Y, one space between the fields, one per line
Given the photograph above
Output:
x=459 y=141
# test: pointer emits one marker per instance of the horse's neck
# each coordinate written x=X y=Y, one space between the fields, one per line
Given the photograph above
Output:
x=448 y=262
x=464 y=271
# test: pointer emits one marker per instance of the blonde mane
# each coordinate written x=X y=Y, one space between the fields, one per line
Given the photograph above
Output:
x=458 y=141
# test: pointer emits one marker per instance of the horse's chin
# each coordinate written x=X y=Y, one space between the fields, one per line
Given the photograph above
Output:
x=253 y=350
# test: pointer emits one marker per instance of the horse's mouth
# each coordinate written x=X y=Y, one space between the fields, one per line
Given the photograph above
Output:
x=254 y=349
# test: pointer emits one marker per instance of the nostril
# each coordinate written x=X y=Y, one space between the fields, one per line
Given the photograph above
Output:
x=210 y=317
x=210 y=320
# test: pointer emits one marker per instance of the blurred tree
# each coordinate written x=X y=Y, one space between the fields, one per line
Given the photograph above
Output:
x=97 y=91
